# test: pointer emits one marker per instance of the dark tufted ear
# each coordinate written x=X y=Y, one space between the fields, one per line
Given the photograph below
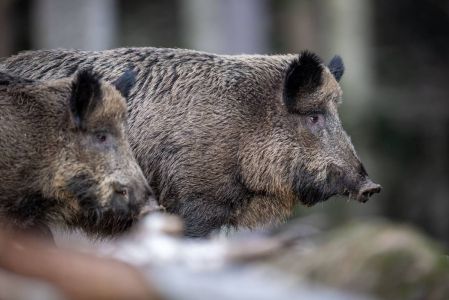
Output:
x=86 y=94
x=304 y=75
x=125 y=82
x=337 y=67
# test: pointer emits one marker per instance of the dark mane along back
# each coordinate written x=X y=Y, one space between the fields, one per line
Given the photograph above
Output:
x=8 y=79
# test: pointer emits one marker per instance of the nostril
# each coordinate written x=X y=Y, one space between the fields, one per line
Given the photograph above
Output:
x=367 y=193
x=367 y=190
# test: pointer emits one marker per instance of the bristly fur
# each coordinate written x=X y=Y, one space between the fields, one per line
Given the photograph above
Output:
x=86 y=95
x=30 y=208
x=6 y=79
x=337 y=67
x=304 y=75
x=212 y=132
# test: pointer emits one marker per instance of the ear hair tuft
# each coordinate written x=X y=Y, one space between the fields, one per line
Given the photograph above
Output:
x=304 y=75
x=86 y=94
x=337 y=67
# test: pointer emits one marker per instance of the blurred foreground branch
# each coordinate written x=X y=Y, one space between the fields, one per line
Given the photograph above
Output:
x=74 y=275
x=367 y=260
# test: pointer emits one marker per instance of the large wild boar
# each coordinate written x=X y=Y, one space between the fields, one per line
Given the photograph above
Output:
x=227 y=140
x=64 y=155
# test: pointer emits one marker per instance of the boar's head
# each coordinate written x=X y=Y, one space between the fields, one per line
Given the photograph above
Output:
x=96 y=166
x=300 y=150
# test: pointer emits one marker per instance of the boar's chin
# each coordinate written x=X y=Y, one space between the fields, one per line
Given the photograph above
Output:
x=97 y=219
x=107 y=221
x=312 y=196
x=310 y=192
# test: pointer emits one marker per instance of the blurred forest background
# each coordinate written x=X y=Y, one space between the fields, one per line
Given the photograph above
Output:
x=396 y=89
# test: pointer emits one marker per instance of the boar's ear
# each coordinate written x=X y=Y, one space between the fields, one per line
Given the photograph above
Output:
x=304 y=75
x=125 y=82
x=337 y=67
x=86 y=94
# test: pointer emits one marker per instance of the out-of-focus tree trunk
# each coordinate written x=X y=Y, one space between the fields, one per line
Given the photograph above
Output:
x=226 y=26
x=81 y=24
x=331 y=27
x=5 y=25
x=347 y=25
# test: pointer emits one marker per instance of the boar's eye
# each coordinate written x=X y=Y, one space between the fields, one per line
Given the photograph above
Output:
x=101 y=137
x=315 y=121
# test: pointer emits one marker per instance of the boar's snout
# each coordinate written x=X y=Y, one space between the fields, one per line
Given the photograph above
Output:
x=367 y=189
x=137 y=196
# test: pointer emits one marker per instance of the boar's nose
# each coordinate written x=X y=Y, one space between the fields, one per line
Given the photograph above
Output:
x=138 y=196
x=367 y=189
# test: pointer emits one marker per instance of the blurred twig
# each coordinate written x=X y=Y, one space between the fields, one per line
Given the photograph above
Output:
x=76 y=275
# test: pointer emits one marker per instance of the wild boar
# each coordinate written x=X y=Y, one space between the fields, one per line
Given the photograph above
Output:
x=227 y=140
x=64 y=155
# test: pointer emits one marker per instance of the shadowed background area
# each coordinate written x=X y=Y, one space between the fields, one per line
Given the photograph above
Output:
x=396 y=53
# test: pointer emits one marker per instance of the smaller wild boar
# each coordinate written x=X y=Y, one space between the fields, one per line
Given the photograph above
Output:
x=65 y=157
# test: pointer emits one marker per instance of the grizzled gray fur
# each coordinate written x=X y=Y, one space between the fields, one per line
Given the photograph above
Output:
x=64 y=155
x=227 y=140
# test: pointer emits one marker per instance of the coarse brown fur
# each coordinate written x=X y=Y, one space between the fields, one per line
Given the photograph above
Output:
x=227 y=140
x=64 y=155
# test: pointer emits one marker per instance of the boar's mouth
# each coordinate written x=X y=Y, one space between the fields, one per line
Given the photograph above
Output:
x=116 y=219
x=360 y=188
x=109 y=220
x=113 y=218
